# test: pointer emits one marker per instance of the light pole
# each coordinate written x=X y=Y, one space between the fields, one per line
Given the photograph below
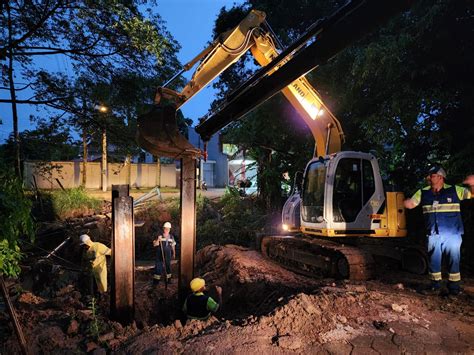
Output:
x=103 y=110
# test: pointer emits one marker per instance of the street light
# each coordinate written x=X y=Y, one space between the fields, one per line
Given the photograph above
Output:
x=102 y=108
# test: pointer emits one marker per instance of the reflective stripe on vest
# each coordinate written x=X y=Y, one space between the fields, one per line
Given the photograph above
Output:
x=442 y=207
x=442 y=210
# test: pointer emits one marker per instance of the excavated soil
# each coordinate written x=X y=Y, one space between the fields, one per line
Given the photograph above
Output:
x=266 y=309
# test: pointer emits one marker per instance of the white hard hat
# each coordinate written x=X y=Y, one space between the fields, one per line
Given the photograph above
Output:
x=85 y=239
x=167 y=225
x=437 y=170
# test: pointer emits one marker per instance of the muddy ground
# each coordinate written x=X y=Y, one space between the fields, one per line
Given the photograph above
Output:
x=266 y=309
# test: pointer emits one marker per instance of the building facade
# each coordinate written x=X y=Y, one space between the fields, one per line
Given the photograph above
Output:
x=215 y=170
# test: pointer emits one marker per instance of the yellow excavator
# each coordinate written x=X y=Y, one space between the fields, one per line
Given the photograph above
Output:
x=342 y=195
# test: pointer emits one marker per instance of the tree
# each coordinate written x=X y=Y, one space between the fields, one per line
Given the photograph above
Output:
x=98 y=38
x=275 y=137
x=50 y=140
x=15 y=221
x=406 y=91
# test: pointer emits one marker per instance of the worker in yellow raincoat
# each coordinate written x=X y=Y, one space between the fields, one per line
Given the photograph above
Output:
x=95 y=259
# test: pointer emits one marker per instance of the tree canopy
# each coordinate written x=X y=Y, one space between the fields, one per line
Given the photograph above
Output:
x=109 y=44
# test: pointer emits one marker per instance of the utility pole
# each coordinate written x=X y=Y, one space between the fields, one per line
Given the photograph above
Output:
x=103 y=110
x=104 y=160
x=84 y=157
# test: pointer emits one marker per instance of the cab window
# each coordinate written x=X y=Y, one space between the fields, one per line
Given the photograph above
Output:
x=347 y=192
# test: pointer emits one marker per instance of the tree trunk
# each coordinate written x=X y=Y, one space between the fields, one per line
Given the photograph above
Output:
x=104 y=160
x=84 y=157
x=158 y=172
x=16 y=134
x=128 y=169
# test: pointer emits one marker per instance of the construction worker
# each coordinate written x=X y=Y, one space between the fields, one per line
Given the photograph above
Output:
x=165 y=250
x=442 y=213
x=198 y=305
x=94 y=257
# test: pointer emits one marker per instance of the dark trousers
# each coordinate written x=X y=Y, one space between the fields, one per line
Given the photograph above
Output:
x=159 y=262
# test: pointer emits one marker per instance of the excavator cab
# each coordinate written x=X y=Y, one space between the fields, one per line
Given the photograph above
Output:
x=343 y=196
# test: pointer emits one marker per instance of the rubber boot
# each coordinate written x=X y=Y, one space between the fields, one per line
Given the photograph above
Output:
x=433 y=289
x=454 y=288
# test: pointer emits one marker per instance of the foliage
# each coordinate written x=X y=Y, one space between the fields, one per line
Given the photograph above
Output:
x=9 y=259
x=406 y=92
x=276 y=139
x=50 y=140
x=73 y=201
x=233 y=219
x=15 y=221
x=95 y=325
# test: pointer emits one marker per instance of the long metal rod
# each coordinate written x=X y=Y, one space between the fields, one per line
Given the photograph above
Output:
x=337 y=34
x=58 y=247
x=188 y=226
x=164 y=264
x=173 y=77
x=12 y=313
x=122 y=293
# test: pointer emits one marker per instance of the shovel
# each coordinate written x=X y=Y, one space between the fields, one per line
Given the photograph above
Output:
x=164 y=265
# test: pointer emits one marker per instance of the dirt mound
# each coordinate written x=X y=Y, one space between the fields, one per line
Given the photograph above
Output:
x=269 y=309
x=250 y=283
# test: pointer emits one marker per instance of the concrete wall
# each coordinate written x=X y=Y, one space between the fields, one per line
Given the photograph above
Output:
x=70 y=175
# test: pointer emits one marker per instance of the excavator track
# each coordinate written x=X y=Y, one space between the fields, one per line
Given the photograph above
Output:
x=319 y=258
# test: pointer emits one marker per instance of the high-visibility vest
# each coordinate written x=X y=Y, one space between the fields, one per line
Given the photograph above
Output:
x=442 y=209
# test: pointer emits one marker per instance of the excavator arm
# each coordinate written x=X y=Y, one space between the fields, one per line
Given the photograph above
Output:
x=326 y=129
x=216 y=58
x=158 y=132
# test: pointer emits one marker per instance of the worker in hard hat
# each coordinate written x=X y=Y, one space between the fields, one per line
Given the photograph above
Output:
x=95 y=261
x=198 y=305
x=441 y=204
x=165 y=250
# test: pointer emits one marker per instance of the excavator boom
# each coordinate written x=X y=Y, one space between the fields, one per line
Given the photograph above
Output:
x=322 y=41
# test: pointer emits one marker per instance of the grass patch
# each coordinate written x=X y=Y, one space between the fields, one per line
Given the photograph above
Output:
x=73 y=202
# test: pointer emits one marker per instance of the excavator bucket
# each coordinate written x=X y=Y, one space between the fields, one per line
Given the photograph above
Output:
x=158 y=134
